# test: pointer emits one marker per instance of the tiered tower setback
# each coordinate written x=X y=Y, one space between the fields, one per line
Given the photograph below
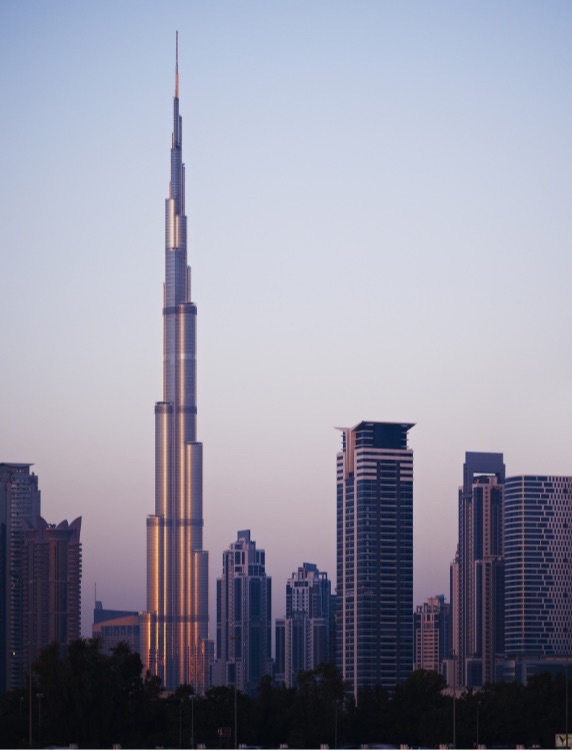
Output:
x=176 y=624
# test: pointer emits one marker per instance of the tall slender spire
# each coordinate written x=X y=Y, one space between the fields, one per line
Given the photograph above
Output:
x=176 y=622
x=176 y=65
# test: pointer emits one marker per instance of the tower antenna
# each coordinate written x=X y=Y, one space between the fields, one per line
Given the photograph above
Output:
x=177 y=65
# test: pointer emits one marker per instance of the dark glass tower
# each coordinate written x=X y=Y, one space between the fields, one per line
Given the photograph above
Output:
x=19 y=505
x=477 y=596
x=375 y=555
x=176 y=624
x=52 y=592
x=303 y=636
x=244 y=602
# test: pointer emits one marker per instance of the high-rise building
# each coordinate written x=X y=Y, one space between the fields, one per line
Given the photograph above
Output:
x=244 y=617
x=52 y=585
x=303 y=635
x=432 y=623
x=175 y=626
x=477 y=578
x=115 y=626
x=375 y=555
x=19 y=505
x=538 y=555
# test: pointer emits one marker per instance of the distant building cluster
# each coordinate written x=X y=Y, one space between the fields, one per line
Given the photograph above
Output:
x=40 y=576
x=511 y=577
x=305 y=635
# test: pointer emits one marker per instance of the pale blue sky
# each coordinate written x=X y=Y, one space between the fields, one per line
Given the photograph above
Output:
x=379 y=205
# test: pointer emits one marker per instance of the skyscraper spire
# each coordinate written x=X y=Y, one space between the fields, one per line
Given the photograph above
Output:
x=176 y=624
x=176 y=65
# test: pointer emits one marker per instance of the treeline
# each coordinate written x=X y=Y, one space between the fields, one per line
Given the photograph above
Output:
x=83 y=697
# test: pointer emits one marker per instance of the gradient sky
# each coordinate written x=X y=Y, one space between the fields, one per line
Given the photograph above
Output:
x=379 y=204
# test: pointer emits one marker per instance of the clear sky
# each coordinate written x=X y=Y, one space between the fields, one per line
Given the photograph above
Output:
x=379 y=204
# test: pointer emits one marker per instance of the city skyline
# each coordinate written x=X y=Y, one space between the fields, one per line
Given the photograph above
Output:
x=369 y=184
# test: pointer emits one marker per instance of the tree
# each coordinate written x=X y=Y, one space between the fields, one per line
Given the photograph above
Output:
x=420 y=711
x=94 y=700
x=319 y=708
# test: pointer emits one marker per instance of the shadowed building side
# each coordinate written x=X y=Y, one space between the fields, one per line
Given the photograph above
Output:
x=477 y=573
x=303 y=636
x=244 y=602
x=52 y=593
x=375 y=555
x=19 y=505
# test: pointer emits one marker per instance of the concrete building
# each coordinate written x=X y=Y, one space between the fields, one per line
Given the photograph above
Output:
x=244 y=617
x=375 y=555
x=176 y=622
x=303 y=636
x=432 y=627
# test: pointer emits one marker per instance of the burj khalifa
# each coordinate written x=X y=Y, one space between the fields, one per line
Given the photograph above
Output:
x=175 y=626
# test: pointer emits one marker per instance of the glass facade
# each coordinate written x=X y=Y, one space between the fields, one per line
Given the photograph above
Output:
x=40 y=576
x=304 y=636
x=52 y=595
x=478 y=588
x=538 y=519
x=176 y=623
x=432 y=634
x=19 y=505
x=375 y=555
x=244 y=602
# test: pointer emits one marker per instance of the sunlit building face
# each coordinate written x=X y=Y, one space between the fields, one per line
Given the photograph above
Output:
x=175 y=626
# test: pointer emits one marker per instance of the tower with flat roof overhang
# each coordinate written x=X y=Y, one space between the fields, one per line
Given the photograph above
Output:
x=375 y=555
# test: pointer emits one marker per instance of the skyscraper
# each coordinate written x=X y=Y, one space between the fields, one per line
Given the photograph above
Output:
x=175 y=627
x=244 y=616
x=19 y=506
x=303 y=635
x=477 y=596
x=52 y=585
x=432 y=634
x=115 y=626
x=375 y=555
x=538 y=554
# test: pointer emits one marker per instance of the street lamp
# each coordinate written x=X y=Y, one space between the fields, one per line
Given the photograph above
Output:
x=454 y=656
x=566 y=702
x=235 y=638
x=478 y=706
x=40 y=697
x=336 y=725
x=192 y=698
x=235 y=707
